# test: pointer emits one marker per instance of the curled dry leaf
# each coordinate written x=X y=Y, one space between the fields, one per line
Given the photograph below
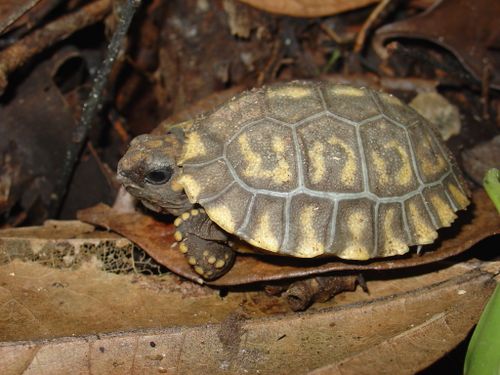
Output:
x=470 y=30
x=156 y=238
x=308 y=8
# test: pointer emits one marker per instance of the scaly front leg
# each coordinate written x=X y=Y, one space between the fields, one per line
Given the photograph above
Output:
x=204 y=244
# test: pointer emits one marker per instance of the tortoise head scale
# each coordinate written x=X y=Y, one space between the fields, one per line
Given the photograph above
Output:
x=149 y=171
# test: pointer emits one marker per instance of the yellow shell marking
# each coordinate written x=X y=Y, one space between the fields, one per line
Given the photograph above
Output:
x=194 y=147
x=290 y=92
x=404 y=175
x=317 y=162
x=357 y=225
x=154 y=143
x=347 y=91
x=459 y=197
x=191 y=187
x=424 y=233
x=392 y=245
x=380 y=167
x=222 y=215
x=348 y=173
x=266 y=238
x=280 y=174
x=431 y=165
x=309 y=245
x=444 y=211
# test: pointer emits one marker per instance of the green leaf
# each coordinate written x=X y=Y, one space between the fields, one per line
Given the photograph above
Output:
x=483 y=354
x=491 y=183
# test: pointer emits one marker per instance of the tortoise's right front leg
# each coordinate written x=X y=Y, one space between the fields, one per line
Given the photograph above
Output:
x=204 y=244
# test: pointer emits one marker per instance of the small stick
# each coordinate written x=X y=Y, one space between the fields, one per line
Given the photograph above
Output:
x=91 y=106
x=17 y=13
x=485 y=90
x=19 y=53
x=369 y=23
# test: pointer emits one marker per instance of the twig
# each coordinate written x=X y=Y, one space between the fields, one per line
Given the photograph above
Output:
x=105 y=170
x=339 y=39
x=372 y=19
x=91 y=105
x=17 y=13
x=22 y=51
x=485 y=90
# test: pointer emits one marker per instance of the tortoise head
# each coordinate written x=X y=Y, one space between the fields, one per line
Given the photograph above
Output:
x=149 y=171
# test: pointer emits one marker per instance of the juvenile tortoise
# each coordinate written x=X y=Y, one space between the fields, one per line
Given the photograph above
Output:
x=300 y=169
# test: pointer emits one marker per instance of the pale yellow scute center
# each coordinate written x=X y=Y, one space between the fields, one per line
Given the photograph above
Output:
x=194 y=148
x=461 y=199
x=294 y=92
x=349 y=170
x=392 y=244
x=357 y=225
x=315 y=155
x=346 y=91
x=404 y=175
x=280 y=174
x=380 y=168
x=444 y=211
x=222 y=215
x=263 y=235
x=309 y=245
x=423 y=232
x=431 y=165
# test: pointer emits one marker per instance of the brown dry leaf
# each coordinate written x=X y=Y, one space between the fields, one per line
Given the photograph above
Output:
x=89 y=321
x=308 y=8
x=155 y=237
x=469 y=29
x=482 y=157
x=32 y=122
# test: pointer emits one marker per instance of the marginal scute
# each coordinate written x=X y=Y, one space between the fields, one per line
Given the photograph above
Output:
x=229 y=210
x=392 y=239
x=228 y=119
x=457 y=194
x=351 y=103
x=396 y=110
x=439 y=205
x=420 y=223
x=222 y=215
x=293 y=102
x=265 y=228
x=355 y=237
x=431 y=162
x=309 y=231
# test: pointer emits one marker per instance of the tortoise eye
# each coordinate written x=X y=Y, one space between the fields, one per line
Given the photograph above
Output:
x=159 y=176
